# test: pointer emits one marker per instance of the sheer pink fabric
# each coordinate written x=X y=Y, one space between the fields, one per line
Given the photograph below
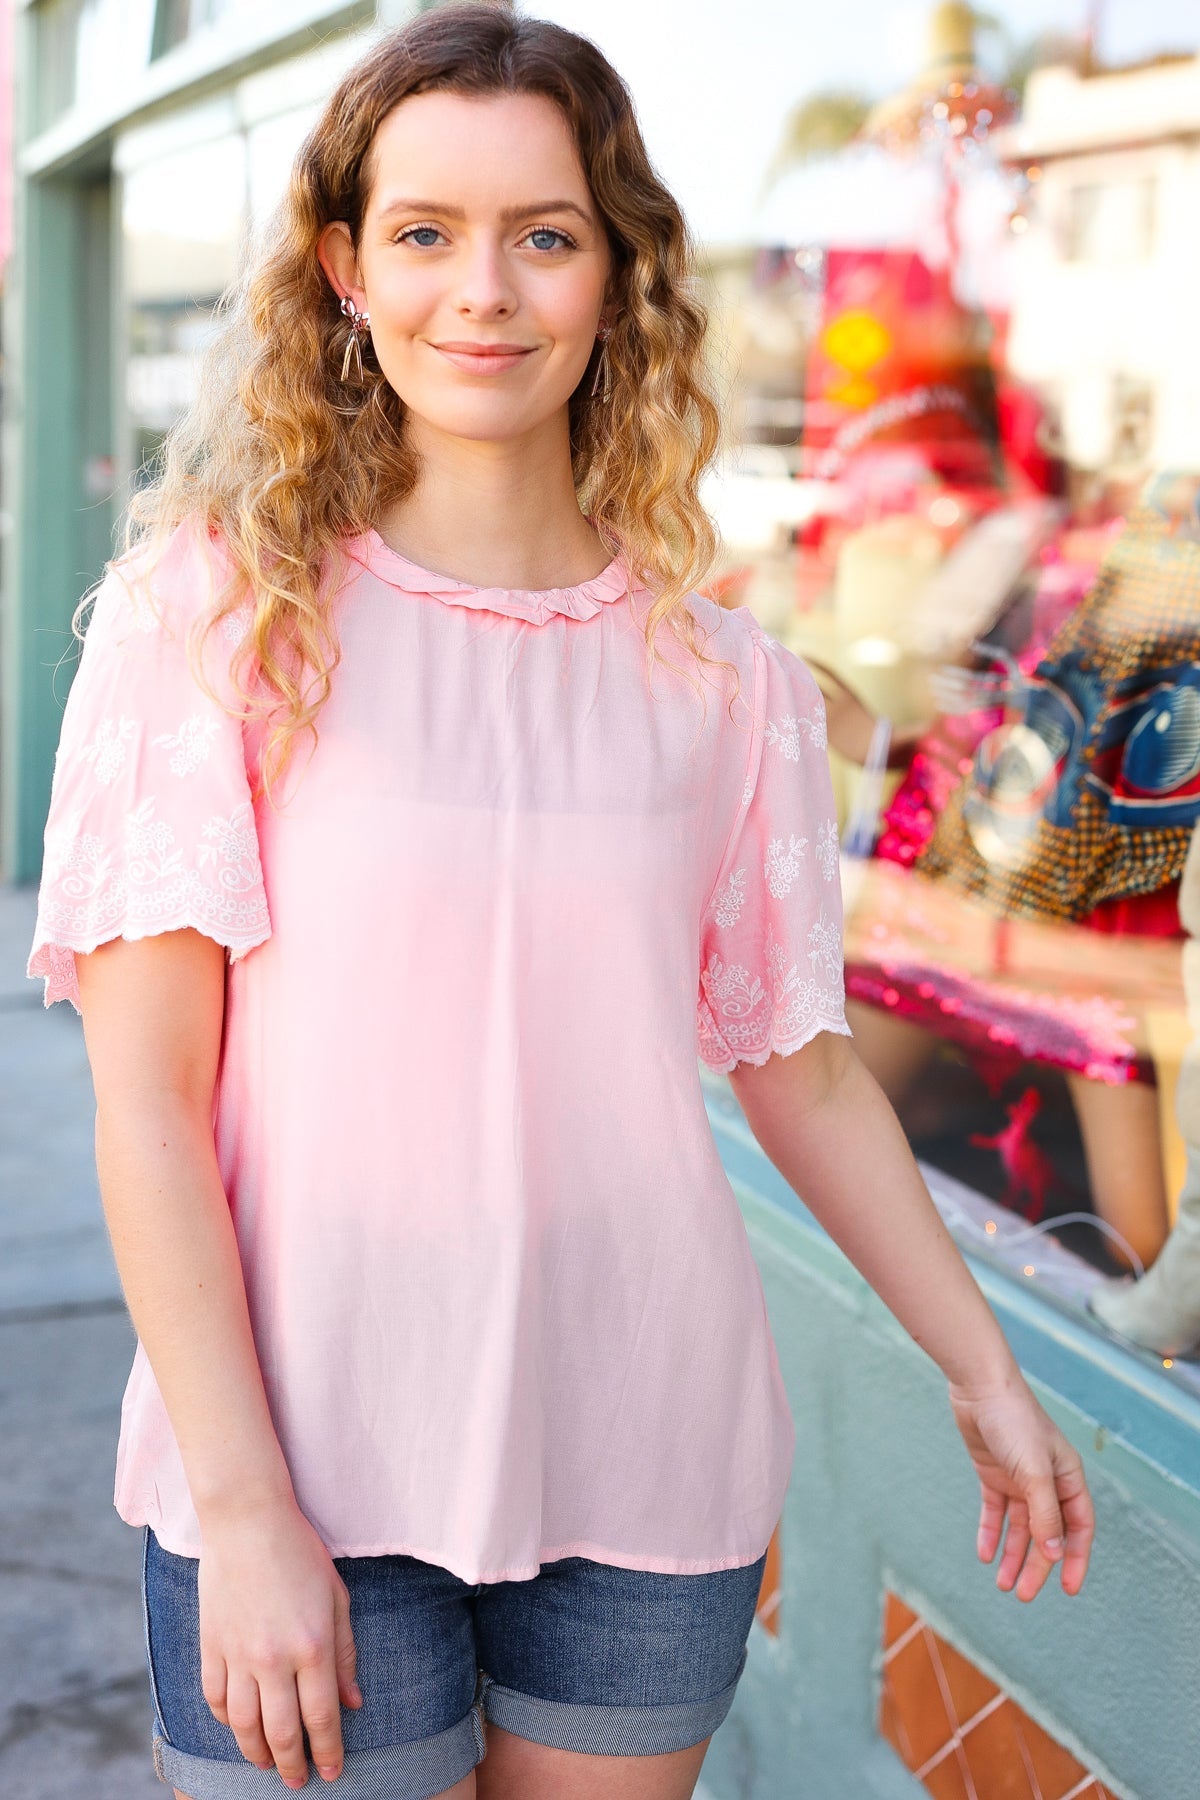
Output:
x=501 y=1290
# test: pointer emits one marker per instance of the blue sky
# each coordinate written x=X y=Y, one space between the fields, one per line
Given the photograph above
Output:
x=714 y=81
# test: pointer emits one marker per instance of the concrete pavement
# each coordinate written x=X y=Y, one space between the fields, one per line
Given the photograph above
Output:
x=74 y=1700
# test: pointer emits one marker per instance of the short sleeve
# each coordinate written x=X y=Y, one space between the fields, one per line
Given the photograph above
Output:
x=151 y=824
x=771 y=973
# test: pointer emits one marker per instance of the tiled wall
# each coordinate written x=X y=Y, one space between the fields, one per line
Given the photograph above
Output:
x=960 y=1734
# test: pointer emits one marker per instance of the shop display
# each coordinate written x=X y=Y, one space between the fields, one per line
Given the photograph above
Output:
x=1162 y=1310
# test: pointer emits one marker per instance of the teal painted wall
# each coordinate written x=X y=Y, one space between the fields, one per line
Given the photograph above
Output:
x=58 y=408
x=882 y=1494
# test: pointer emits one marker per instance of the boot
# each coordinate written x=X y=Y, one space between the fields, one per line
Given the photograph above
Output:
x=1161 y=1311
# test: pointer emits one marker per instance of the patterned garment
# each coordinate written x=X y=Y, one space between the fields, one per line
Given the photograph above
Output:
x=1090 y=795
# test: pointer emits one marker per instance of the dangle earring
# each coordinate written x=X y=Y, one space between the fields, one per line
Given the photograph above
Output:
x=600 y=381
x=360 y=325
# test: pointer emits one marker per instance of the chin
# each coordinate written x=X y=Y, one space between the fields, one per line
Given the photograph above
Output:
x=485 y=424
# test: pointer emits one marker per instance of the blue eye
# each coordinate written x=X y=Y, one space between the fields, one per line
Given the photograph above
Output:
x=550 y=231
x=403 y=236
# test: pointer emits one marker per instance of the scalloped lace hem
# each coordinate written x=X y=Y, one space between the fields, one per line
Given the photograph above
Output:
x=53 y=959
x=780 y=1046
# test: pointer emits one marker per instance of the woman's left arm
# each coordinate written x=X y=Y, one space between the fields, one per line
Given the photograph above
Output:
x=827 y=1126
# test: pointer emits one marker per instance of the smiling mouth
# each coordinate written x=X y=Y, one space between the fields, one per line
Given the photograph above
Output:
x=483 y=359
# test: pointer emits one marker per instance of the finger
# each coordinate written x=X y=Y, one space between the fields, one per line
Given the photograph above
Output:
x=1045 y=1514
x=1016 y=1543
x=345 y=1654
x=317 y=1688
x=1079 y=1517
x=991 y=1523
x=1034 y=1571
x=214 y=1680
x=244 y=1717
x=281 y=1724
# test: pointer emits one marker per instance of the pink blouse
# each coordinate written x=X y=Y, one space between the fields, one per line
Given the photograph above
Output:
x=501 y=1290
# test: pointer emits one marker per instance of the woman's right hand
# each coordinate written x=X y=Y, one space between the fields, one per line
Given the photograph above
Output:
x=277 y=1655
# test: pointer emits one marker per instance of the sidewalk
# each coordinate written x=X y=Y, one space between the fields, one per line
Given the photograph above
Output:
x=75 y=1712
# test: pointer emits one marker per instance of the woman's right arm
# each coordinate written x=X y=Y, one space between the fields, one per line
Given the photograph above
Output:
x=276 y=1645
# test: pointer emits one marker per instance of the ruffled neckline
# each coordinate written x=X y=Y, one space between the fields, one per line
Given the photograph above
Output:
x=535 y=605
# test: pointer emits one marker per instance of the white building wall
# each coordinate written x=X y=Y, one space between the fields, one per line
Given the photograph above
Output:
x=1096 y=313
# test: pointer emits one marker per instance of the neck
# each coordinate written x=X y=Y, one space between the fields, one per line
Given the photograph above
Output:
x=495 y=514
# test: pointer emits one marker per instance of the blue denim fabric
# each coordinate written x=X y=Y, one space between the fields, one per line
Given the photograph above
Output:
x=584 y=1656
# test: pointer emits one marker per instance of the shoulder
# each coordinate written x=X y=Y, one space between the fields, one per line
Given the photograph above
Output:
x=733 y=633
x=164 y=585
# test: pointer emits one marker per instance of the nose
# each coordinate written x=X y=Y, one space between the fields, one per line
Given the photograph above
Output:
x=484 y=281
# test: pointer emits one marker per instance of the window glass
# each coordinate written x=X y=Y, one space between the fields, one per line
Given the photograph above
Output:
x=179 y=20
x=183 y=223
x=1111 y=221
x=963 y=480
x=87 y=49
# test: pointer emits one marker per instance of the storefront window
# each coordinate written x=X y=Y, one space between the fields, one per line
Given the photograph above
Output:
x=963 y=490
x=183 y=220
x=88 y=48
x=179 y=20
x=1111 y=221
x=186 y=218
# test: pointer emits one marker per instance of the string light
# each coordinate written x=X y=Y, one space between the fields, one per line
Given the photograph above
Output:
x=958 y=1220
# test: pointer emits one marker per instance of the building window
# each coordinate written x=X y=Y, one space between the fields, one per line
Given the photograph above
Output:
x=88 y=48
x=183 y=225
x=1111 y=221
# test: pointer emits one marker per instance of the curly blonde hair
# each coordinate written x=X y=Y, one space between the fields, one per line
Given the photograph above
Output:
x=282 y=461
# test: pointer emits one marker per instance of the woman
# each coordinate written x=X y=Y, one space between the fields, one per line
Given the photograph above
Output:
x=454 y=1397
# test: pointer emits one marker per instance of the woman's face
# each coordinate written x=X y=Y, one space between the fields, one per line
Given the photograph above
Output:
x=480 y=235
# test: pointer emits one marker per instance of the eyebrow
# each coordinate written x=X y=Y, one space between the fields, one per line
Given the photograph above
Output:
x=509 y=215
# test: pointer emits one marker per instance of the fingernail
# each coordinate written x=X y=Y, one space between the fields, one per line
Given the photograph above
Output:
x=328 y=1773
x=1054 y=1545
x=356 y=1692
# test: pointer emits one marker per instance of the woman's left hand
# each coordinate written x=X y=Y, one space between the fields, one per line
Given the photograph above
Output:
x=1032 y=1478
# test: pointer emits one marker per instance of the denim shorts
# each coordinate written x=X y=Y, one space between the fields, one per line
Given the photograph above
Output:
x=582 y=1656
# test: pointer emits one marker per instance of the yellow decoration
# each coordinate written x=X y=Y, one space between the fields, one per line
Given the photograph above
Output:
x=855 y=393
x=856 y=340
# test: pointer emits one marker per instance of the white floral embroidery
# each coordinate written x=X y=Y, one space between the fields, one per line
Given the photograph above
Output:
x=825 y=948
x=731 y=899
x=827 y=849
x=740 y=1020
x=734 y=993
x=74 y=860
x=149 y=845
x=145 y=615
x=786 y=734
x=108 y=749
x=232 y=848
x=191 y=744
x=747 y=792
x=781 y=866
x=89 y=895
x=818 y=733
x=237 y=623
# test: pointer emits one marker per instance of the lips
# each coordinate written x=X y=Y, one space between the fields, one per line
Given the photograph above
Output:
x=483 y=359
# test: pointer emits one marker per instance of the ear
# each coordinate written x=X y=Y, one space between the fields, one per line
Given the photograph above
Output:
x=335 y=253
